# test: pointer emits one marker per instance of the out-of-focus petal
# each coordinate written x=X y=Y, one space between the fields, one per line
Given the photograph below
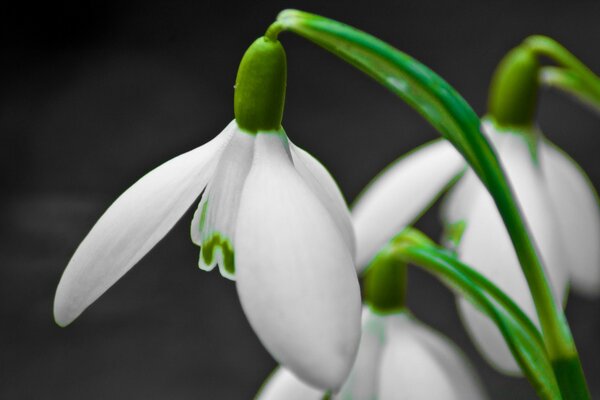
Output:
x=283 y=385
x=575 y=203
x=401 y=193
x=132 y=225
x=364 y=377
x=214 y=222
x=295 y=274
x=323 y=185
x=457 y=203
x=420 y=364
x=486 y=246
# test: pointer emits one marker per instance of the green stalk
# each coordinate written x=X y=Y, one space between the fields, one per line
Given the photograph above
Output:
x=548 y=47
x=417 y=239
x=450 y=114
x=572 y=83
x=519 y=333
x=571 y=75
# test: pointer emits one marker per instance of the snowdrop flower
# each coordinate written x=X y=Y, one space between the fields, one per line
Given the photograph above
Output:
x=559 y=204
x=398 y=358
x=270 y=216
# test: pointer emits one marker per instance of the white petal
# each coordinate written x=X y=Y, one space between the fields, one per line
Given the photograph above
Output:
x=486 y=247
x=362 y=384
x=576 y=205
x=457 y=203
x=283 y=385
x=295 y=275
x=420 y=364
x=214 y=222
x=133 y=224
x=324 y=187
x=401 y=193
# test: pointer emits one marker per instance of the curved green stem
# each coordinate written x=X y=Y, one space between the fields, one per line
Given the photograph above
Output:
x=416 y=239
x=572 y=83
x=450 y=114
x=548 y=47
x=521 y=336
x=274 y=30
x=571 y=75
x=498 y=295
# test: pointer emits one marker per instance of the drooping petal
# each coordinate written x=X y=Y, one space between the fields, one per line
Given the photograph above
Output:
x=132 y=225
x=401 y=193
x=486 y=246
x=420 y=364
x=575 y=203
x=213 y=225
x=362 y=384
x=283 y=385
x=294 y=272
x=323 y=185
x=457 y=203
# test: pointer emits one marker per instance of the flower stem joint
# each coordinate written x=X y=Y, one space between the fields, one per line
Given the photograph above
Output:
x=260 y=86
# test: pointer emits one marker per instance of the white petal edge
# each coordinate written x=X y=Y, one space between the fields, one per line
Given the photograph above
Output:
x=420 y=364
x=295 y=275
x=326 y=189
x=575 y=203
x=486 y=247
x=132 y=225
x=283 y=385
x=401 y=193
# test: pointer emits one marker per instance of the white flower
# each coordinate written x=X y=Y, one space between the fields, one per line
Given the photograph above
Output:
x=272 y=217
x=558 y=201
x=398 y=358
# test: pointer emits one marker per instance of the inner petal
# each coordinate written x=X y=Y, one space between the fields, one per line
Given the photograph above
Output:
x=213 y=225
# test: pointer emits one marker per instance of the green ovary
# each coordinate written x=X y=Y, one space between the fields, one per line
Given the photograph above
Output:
x=214 y=242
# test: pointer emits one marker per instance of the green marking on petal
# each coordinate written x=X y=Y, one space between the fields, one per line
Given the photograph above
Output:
x=217 y=242
x=203 y=216
x=453 y=233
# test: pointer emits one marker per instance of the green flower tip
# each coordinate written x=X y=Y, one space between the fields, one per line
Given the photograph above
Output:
x=514 y=89
x=385 y=283
x=260 y=86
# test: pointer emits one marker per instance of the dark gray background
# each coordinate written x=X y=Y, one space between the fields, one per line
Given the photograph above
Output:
x=92 y=97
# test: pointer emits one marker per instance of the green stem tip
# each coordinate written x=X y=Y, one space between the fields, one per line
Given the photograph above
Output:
x=260 y=86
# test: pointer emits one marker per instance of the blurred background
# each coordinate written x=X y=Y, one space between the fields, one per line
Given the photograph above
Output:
x=94 y=95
